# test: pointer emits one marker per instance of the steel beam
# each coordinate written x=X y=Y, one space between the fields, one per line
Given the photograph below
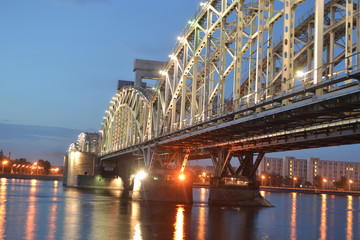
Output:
x=319 y=40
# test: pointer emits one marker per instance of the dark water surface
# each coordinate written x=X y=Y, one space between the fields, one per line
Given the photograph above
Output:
x=31 y=209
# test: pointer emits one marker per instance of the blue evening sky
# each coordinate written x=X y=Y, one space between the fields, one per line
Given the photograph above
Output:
x=60 y=61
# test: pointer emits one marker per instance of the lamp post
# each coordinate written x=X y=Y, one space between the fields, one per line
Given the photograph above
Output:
x=3 y=164
x=295 y=181
x=35 y=164
x=262 y=180
x=324 y=181
x=12 y=168
x=350 y=182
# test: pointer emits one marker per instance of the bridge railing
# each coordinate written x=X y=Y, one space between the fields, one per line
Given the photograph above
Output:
x=303 y=87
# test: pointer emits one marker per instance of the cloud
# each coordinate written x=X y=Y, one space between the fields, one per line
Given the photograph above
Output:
x=36 y=142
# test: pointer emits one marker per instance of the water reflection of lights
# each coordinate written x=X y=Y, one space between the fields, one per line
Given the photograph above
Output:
x=203 y=195
x=202 y=217
x=52 y=221
x=2 y=208
x=135 y=223
x=33 y=185
x=179 y=224
x=137 y=232
x=323 y=217
x=33 y=182
x=349 y=219
x=55 y=190
x=262 y=193
x=202 y=213
x=30 y=216
x=293 y=217
x=72 y=216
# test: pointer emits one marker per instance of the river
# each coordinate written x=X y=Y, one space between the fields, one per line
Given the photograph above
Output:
x=33 y=209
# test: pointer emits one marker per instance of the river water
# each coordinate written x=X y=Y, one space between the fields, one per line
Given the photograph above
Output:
x=31 y=209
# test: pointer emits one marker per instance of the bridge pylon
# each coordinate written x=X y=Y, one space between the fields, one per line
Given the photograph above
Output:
x=236 y=186
x=162 y=179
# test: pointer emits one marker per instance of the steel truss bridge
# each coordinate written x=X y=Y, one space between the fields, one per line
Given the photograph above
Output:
x=245 y=78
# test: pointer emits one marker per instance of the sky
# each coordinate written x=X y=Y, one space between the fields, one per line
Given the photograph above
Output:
x=60 y=61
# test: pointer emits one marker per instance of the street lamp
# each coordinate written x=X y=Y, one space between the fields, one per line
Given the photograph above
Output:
x=262 y=180
x=295 y=181
x=3 y=164
x=350 y=182
x=324 y=180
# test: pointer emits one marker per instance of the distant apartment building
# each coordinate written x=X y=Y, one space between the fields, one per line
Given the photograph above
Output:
x=286 y=166
x=307 y=169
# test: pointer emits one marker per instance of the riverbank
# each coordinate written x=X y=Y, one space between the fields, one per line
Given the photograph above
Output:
x=309 y=191
x=297 y=190
x=37 y=177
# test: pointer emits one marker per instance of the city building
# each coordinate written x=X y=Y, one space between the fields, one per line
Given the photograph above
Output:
x=308 y=169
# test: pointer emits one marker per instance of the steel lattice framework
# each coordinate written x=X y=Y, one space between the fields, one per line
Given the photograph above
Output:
x=236 y=58
x=128 y=119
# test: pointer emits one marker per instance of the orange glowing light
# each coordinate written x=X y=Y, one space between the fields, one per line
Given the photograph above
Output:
x=324 y=180
x=263 y=177
x=182 y=176
x=5 y=162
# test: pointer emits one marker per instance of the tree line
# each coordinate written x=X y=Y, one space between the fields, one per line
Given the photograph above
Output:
x=23 y=166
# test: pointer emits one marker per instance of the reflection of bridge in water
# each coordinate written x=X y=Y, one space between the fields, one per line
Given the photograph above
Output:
x=244 y=78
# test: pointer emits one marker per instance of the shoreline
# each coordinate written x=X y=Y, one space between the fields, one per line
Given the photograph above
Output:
x=309 y=191
x=297 y=190
x=36 y=177
x=262 y=188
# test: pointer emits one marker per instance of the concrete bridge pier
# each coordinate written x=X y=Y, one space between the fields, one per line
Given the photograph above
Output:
x=120 y=167
x=236 y=187
x=236 y=191
x=162 y=185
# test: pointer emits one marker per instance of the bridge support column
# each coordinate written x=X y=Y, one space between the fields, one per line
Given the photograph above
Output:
x=162 y=183
x=162 y=188
x=236 y=187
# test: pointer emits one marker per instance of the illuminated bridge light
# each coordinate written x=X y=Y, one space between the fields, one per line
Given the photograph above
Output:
x=182 y=177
